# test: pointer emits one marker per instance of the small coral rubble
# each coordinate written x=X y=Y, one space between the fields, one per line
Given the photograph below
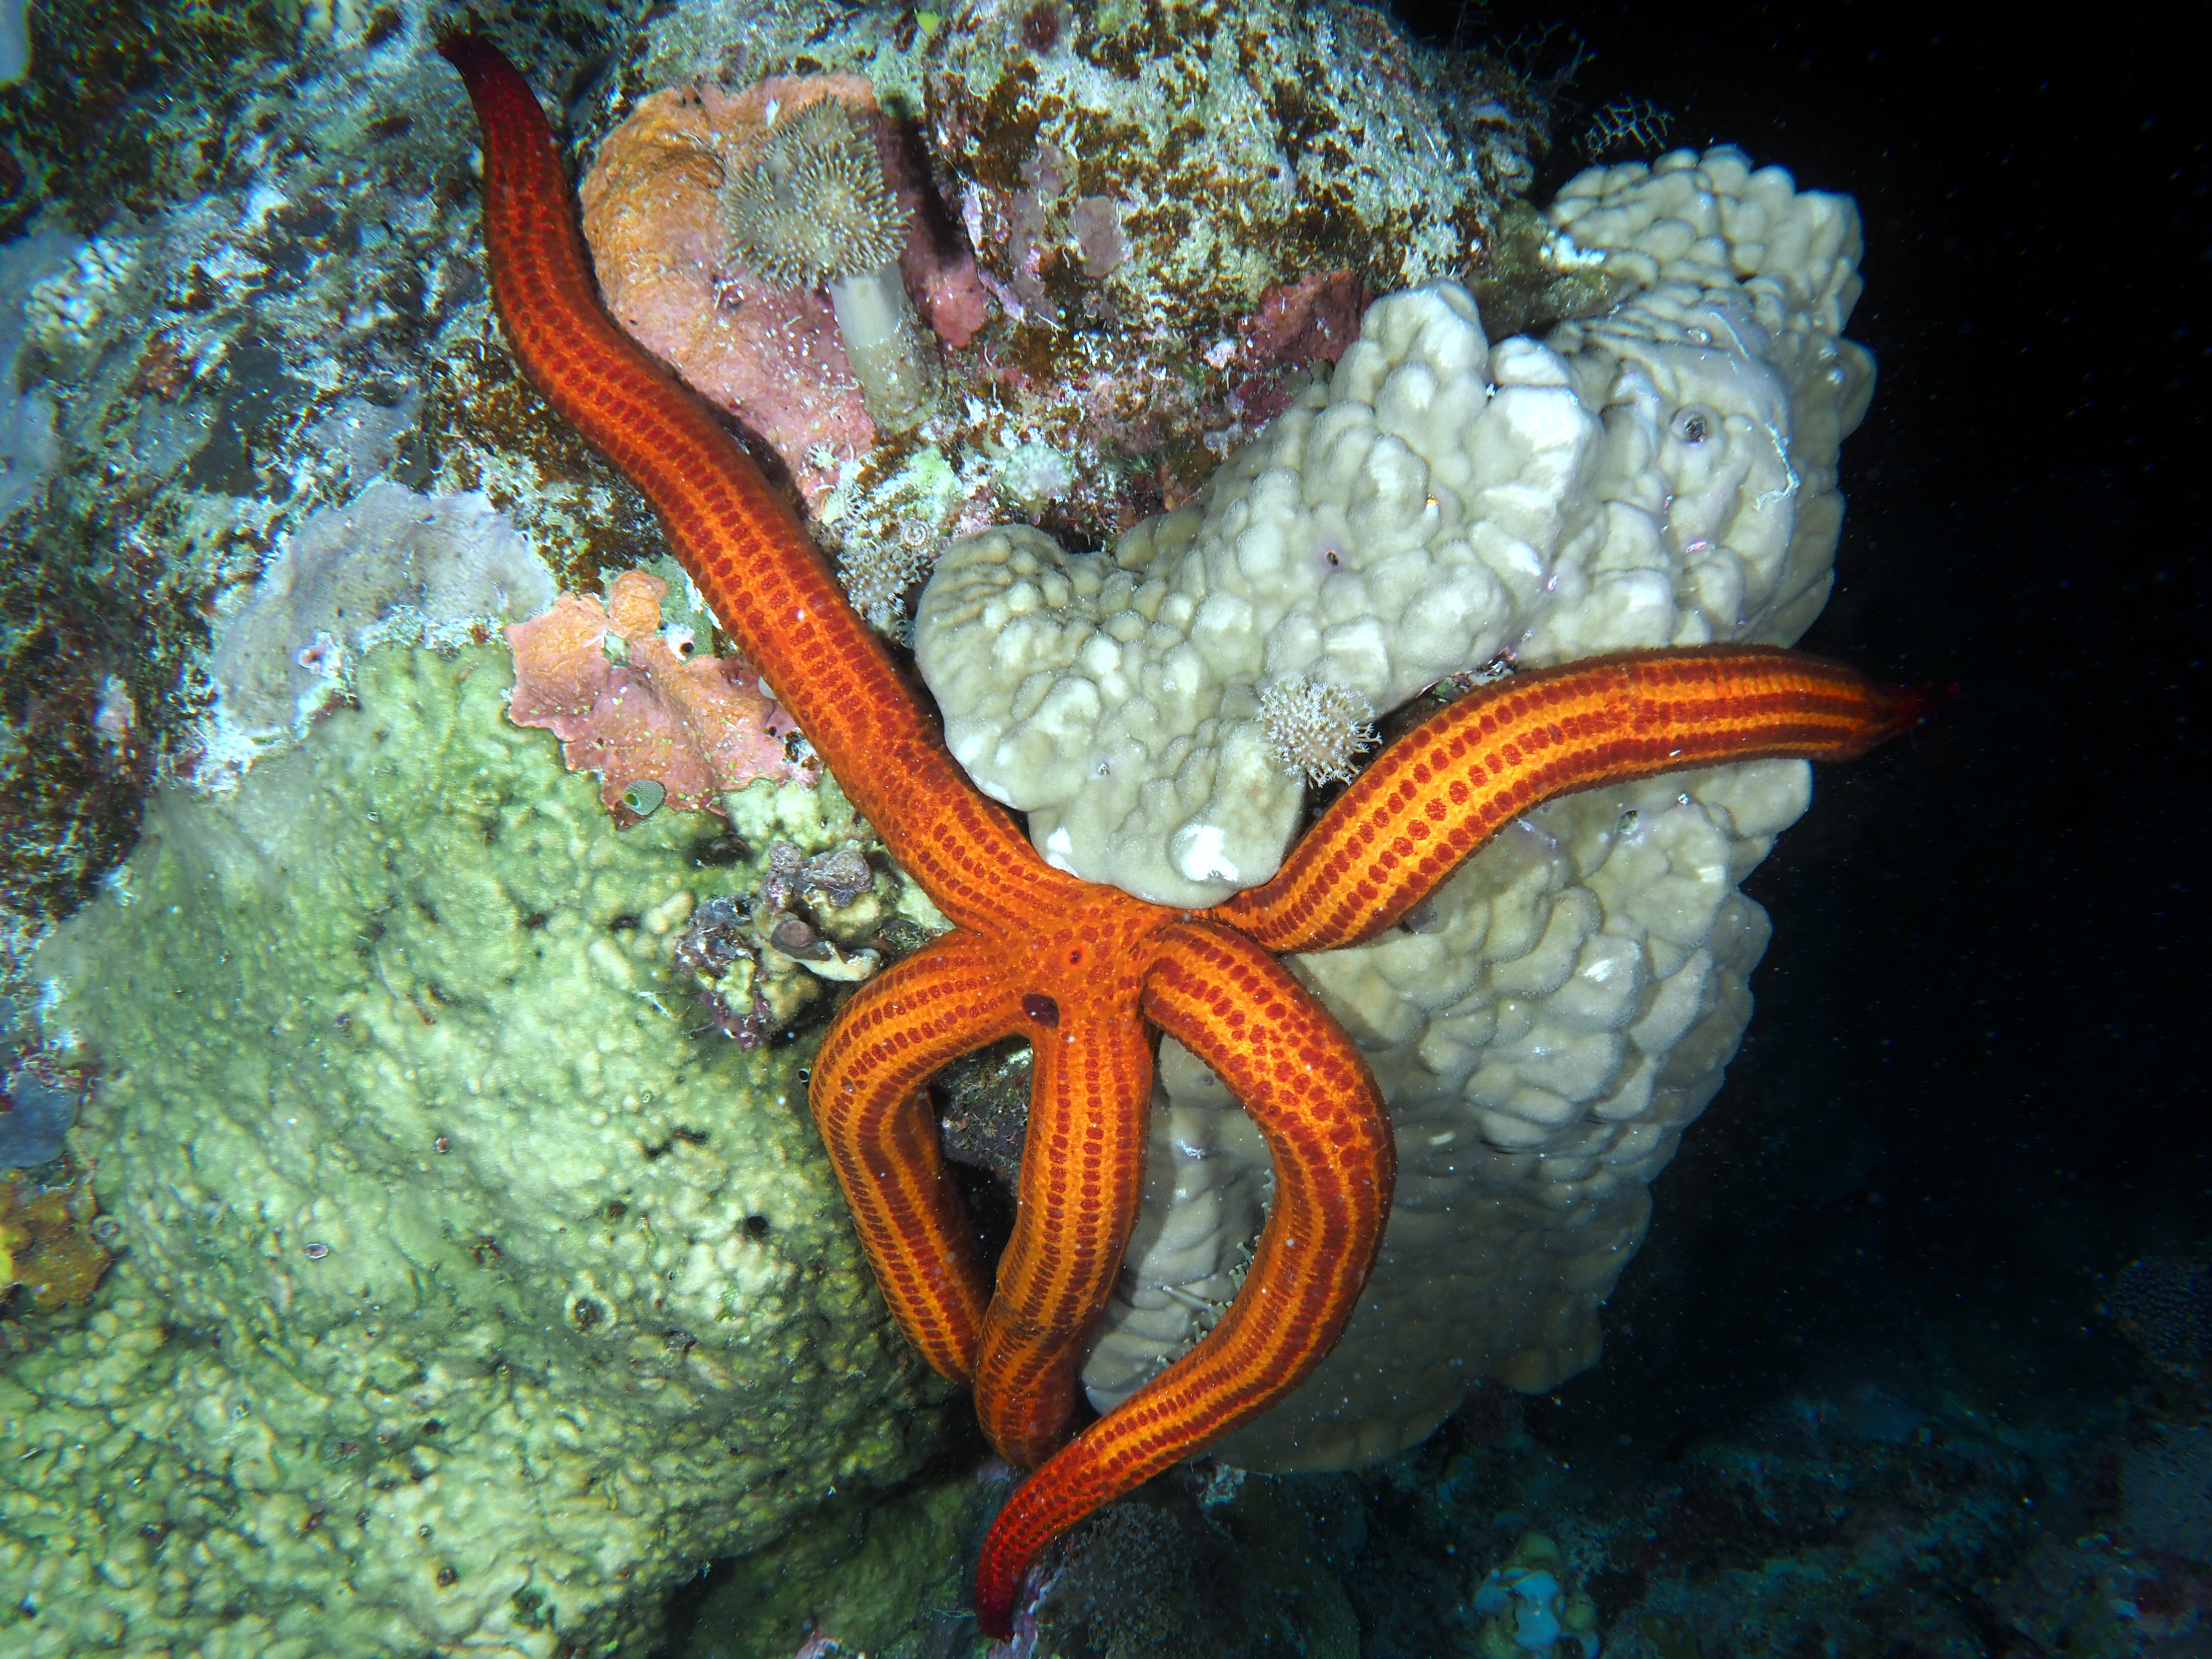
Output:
x=760 y=962
x=629 y=705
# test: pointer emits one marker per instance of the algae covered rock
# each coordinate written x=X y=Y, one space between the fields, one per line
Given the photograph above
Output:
x=868 y=1576
x=468 y=1295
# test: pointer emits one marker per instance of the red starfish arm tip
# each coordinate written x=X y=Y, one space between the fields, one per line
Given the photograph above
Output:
x=871 y=1102
x=1445 y=788
x=1312 y=1096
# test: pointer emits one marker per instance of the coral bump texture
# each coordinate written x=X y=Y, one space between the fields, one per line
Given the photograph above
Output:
x=1078 y=968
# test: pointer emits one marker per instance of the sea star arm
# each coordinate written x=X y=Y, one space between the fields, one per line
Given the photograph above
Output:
x=758 y=571
x=1452 y=782
x=1082 y=1180
x=1312 y=1096
x=871 y=1100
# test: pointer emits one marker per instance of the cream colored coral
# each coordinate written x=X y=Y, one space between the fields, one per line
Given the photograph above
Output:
x=1744 y=285
x=1664 y=474
x=1550 y=1023
x=1545 y=1026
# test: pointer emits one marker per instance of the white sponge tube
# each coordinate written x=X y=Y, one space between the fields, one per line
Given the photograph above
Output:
x=895 y=368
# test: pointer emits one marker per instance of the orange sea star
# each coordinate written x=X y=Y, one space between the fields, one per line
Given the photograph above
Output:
x=1082 y=971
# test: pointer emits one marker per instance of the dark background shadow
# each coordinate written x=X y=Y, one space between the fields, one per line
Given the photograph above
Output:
x=1975 y=1088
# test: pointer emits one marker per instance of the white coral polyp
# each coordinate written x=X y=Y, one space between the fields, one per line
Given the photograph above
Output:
x=1664 y=474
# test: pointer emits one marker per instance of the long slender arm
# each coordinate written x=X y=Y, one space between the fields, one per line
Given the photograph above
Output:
x=1314 y=1099
x=1464 y=774
x=871 y=1100
x=760 y=573
x=1083 y=1177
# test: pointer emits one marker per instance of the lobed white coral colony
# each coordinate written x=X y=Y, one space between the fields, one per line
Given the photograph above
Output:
x=1664 y=474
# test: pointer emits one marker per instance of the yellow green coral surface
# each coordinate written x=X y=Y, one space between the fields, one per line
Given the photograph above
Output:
x=465 y=1298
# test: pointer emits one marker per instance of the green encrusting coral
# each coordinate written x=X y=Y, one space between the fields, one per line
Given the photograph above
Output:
x=876 y=1577
x=466 y=1295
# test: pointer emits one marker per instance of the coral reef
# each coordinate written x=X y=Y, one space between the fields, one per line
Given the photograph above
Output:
x=266 y=298
x=1848 y=1521
x=1127 y=312
x=68 y=787
x=859 y=1576
x=257 y=301
x=127 y=105
x=2096 y=1596
x=390 y=564
x=1750 y=1539
x=1136 y=181
x=1236 y=146
x=2163 y=1305
x=636 y=706
x=28 y=450
x=2166 y=1486
x=1545 y=1029
x=1543 y=1038
x=1193 y=1570
x=1035 y=945
x=492 y=1296
x=1851 y=1519
x=1663 y=476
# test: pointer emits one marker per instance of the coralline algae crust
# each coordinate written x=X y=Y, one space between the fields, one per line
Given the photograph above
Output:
x=1242 y=144
x=467 y=1298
